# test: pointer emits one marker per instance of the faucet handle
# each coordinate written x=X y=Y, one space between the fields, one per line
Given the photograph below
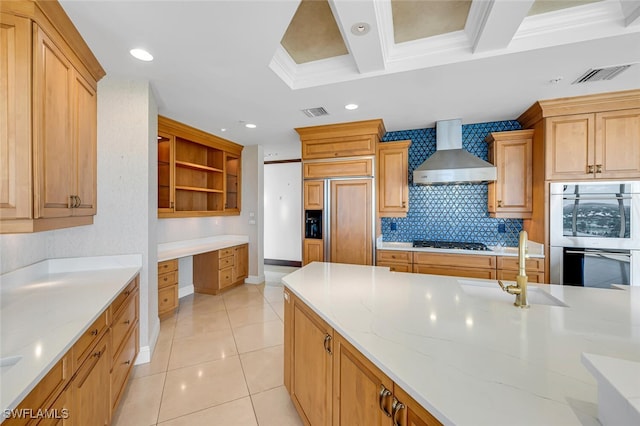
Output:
x=502 y=286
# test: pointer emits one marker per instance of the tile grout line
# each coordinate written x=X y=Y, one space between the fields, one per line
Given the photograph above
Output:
x=166 y=370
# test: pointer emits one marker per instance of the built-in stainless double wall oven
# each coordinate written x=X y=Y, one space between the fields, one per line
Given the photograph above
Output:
x=595 y=233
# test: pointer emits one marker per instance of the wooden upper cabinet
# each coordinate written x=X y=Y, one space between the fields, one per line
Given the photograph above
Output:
x=49 y=119
x=617 y=149
x=589 y=137
x=393 y=178
x=15 y=118
x=314 y=195
x=511 y=195
x=340 y=140
x=199 y=174
x=570 y=147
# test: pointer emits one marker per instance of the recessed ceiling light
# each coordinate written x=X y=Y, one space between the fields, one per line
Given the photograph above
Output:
x=351 y=106
x=250 y=126
x=141 y=54
x=360 y=28
x=556 y=80
x=223 y=130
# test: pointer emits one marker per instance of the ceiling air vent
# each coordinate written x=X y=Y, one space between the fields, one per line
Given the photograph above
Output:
x=315 y=112
x=597 y=74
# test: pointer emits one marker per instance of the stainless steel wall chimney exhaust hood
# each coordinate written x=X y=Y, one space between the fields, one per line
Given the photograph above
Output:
x=450 y=163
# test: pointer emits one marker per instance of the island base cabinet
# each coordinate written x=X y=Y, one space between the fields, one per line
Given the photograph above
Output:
x=311 y=366
x=331 y=383
x=362 y=394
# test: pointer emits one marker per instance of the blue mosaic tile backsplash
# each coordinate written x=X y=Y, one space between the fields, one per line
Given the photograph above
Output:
x=450 y=212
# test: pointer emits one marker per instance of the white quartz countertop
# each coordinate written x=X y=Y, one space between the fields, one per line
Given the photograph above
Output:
x=471 y=360
x=45 y=308
x=534 y=249
x=177 y=249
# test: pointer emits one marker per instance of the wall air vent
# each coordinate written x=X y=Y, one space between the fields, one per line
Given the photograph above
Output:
x=597 y=74
x=315 y=112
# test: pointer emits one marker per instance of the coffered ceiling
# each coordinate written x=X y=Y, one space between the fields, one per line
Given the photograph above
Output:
x=221 y=63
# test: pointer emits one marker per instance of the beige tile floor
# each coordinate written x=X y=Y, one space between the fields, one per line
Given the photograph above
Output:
x=218 y=361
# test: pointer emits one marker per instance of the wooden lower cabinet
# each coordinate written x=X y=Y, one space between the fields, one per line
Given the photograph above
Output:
x=507 y=269
x=313 y=251
x=458 y=265
x=218 y=270
x=395 y=260
x=90 y=397
x=167 y=287
x=331 y=383
x=85 y=386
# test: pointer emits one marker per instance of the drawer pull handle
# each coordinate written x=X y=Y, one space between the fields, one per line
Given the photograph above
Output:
x=327 y=343
x=94 y=332
x=127 y=362
x=97 y=354
x=384 y=393
x=127 y=322
x=397 y=406
x=128 y=292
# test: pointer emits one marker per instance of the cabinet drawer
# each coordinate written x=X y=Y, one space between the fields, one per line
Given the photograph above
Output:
x=225 y=252
x=167 y=299
x=225 y=262
x=225 y=277
x=45 y=392
x=456 y=272
x=125 y=321
x=394 y=256
x=167 y=266
x=363 y=167
x=89 y=338
x=455 y=260
x=396 y=267
x=533 y=264
x=167 y=279
x=121 y=367
x=122 y=297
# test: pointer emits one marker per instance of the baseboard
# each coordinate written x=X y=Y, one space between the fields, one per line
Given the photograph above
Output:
x=145 y=353
x=254 y=279
x=278 y=262
x=185 y=291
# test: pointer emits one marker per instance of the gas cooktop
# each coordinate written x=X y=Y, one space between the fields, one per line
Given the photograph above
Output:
x=450 y=245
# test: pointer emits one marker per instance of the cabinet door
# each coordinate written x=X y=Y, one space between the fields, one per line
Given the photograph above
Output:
x=311 y=366
x=570 y=147
x=240 y=262
x=407 y=412
x=393 y=179
x=90 y=388
x=232 y=184
x=166 y=172
x=15 y=117
x=362 y=394
x=617 y=152
x=313 y=251
x=54 y=151
x=314 y=195
x=84 y=109
x=351 y=211
x=511 y=194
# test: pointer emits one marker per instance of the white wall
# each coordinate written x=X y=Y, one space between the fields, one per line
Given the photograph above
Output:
x=283 y=211
x=125 y=222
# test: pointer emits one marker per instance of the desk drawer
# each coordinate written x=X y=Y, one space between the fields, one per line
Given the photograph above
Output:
x=167 y=266
x=167 y=299
x=225 y=277
x=225 y=262
x=225 y=252
x=167 y=279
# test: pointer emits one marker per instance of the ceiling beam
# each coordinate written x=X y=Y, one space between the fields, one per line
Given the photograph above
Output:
x=366 y=49
x=493 y=23
x=631 y=11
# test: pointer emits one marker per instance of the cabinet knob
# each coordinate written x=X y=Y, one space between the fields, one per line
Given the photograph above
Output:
x=94 y=332
x=499 y=203
x=97 y=354
x=590 y=168
x=166 y=300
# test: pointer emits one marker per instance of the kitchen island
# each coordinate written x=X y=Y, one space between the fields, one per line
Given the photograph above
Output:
x=466 y=358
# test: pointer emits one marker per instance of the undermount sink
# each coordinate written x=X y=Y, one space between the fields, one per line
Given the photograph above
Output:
x=7 y=362
x=489 y=290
